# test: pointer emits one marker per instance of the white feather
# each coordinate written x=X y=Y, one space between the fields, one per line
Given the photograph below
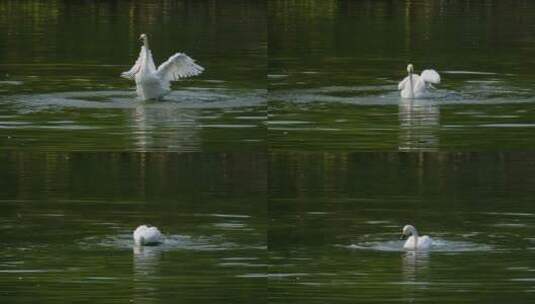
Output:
x=178 y=66
x=424 y=243
x=418 y=87
x=144 y=60
x=430 y=76
x=146 y=236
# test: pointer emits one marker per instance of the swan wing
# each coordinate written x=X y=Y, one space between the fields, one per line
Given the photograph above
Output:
x=152 y=235
x=409 y=243
x=145 y=58
x=145 y=235
x=155 y=232
x=138 y=233
x=178 y=66
x=402 y=83
x=424 y=242
x=405 y=82
x=431 y=76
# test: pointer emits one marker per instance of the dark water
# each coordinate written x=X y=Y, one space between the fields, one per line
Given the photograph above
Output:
x=334 y=67
x=67 y=220
x=335 y=222
x=60 y=87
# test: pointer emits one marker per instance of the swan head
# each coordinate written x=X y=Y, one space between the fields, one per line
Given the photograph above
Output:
x=410 y=68
x=408 y=230
x=143 y=37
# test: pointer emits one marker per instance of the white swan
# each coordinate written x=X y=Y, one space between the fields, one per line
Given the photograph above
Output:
x=415 y=242
x=154 y=83
x=414 y=85
x=146 y=235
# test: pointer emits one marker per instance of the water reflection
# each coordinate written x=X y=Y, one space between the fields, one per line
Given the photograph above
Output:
x=419 y=125
x=146 y=259
x=145 y=273
x=414 y=263
x=179 y=126
x=111 y=120
x=414 y=268
x=140 y=123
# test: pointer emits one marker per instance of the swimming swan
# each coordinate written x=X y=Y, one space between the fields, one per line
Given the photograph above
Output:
x=152 y=83
x=415 y=242
x=414 y=85
x=146 y=235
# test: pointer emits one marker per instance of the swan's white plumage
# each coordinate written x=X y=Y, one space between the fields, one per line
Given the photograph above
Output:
x=415 y=242
x=417 y=88
x=144 y=60
x=178 y=66
x=430 y=76
x=152 y=83
x=146 y=235
x=424 y=243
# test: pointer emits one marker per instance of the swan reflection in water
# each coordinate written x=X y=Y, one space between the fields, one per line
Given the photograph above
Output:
x=146 y=273
x=414 y=263
x=419 y=125
x=165 y=126
x=415 y=272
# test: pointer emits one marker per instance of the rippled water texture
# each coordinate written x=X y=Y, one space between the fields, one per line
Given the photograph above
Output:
x=67 y=221
x=336 y=221
x=60 y=87
x=334 y=67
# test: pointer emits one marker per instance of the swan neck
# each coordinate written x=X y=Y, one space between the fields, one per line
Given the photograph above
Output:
x=146 y=56
x=146 y=42
x=415 y=237
x=411 y=87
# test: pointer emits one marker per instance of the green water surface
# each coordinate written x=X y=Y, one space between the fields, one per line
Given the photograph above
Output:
x=336 y=219
x=334 y=67
x=60 y=63
x=277 y=207
x=67 y=221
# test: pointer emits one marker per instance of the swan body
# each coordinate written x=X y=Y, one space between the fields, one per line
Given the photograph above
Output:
x=146 y=235
x=415 y=242
x=152 y=83
x=414 y=85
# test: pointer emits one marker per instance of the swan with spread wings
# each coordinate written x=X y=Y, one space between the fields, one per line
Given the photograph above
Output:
x=152 y=83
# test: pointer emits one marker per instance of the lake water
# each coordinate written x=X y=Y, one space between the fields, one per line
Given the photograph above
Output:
x=252 y=178
x=67 y=222
x=334 y=67
x=60 y=87
x=336 y=219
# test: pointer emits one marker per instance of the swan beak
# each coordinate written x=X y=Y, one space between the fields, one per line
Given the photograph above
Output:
x=402 y=237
